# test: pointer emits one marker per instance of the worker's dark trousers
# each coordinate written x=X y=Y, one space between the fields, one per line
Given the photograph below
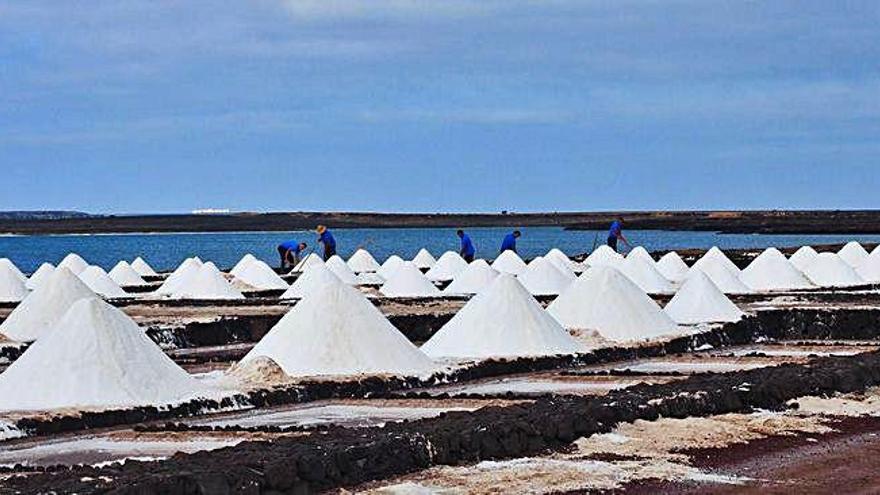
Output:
x=612 y=242
x=283 y=253
x=329 y=252
x=468 y=257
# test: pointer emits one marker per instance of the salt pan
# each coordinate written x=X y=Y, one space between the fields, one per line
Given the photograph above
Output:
x=701 y=301
x=473 y=279
x=37 y=314
x=408 y=281
x=502 y=321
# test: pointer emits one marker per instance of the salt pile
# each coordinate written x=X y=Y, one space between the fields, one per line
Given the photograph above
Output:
x=97 y=279
x=370 y=278
x=853 y=254
x=802 y=257
x=641 y=252
x=870 y=268
x=771 y=270
x=311 y=281
x=408 y=281
x=509 y=262
x=309 y=261
x=126 y=276
x=644 y=273
x=362 y=261
x=424 y=259
x=718 y=255
x=391 y=264
x=722 y=271
x=12 y=288
x=606 y=301
x=672 y=267
x=603 y=255
x=41 y=275
x=207 y=283
x=94 y=357
x=185 y=270
x=10 y=266
x=829 y=270
x=543 y=278
x=447 y=267
x=701 y=301
x=257 y=274
x=36 y=315
x=337 y=331
x=143 y=268
x=473 y=279
x=502 y=321
x=244 y=261
x=341 y=270
x=74 y=263
x=562 y=261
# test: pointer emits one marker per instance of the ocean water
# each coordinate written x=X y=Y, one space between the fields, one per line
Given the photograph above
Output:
x=166 y=251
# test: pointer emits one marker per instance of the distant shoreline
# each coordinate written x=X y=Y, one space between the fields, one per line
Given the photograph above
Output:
x=731 y=222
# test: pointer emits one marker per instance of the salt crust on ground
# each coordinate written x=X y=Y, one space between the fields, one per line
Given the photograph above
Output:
x=424 y=259
x=503 y=320
x=771 y=270
x=672 y=267
x=644 y=273
x=341 y=270
x=12 y=287
x=803 y=256
x=700 y=301
x=34 y=317
x=829 y=270
x=477 y=276
x=447 y=267
x=97 y=279
x=41 y=275
x=408 y=281
x=509 y=262
x=125 y=276
x=74 y=263
x=96 y=356
x=337 y=331
x=312 y=280
x=362 y=261
x=606 y=301
x=542 y=277
x=143 y=268
x=257 y=274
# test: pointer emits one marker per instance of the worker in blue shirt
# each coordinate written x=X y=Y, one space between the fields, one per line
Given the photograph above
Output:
x=509 y=242
x=615 y=233
x=326 y=238
x=291 y=253
x=467 y=247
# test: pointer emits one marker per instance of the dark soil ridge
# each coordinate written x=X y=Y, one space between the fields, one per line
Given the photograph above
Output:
x=343 y=456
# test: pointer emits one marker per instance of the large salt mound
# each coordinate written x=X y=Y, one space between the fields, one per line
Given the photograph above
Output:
x=362 y=261
x=12 y=288
x=447 y=267
x=304 y=264
x=672 y=267
x=36 y=315
x=721 y=273
x=74 y=263
x=242 y=263
x=644 y=273
x=606 y=301
x=9 y=265
x=257 y=274
x=509 y=262
x=829 y=270
x=95 y=357
x=312 y=280
x=770 y=270
x=41 y=275
x=853 y=254
x=562 y=261
x=718 y=255
x=206 y=284
x=126 y=276
x=391 y=264
x=370 y=278
x=337 y=331
x=870 y=268
x=604 y=256
x=502 y=321
x=802 y=257
x=408 y=281
x=543 y=278
x=424 y=259
x=473 y=279
x=97 y=279
x=701 y=301
x=179 y=276
x=143 y=268
x=641 y=252
x=341 y=270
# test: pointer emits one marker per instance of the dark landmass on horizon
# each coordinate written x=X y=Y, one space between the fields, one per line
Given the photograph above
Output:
x=762 y=222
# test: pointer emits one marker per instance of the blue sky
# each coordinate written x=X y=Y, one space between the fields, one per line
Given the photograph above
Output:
x=427 y=105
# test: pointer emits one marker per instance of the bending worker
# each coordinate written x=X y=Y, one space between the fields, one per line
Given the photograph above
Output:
x=326 y=238
x=467 y=247
x=291 y=253
x=509 y=242
x=615 y=233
